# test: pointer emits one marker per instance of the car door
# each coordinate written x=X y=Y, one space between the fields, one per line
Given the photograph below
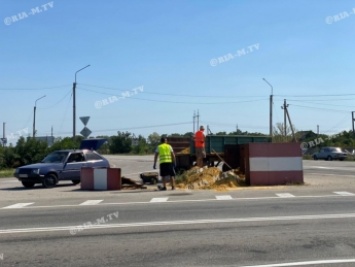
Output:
x=322 y=153
x=73 y=166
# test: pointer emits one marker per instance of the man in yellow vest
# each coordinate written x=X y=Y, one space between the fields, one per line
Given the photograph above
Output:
x=166 y=162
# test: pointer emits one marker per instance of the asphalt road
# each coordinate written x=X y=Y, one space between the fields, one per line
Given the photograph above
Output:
x=308 y=225
x=329 y=167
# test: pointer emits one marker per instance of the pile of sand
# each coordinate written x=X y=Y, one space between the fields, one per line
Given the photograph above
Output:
x=184 y=151
x=210 y=178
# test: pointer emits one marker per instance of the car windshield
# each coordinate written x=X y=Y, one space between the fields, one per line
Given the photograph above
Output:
x=55 y=157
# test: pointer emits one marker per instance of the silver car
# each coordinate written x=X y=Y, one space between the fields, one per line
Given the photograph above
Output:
x=330 y=153
x=63 y=165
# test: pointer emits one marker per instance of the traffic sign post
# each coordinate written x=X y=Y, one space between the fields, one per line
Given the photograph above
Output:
x=86 y=131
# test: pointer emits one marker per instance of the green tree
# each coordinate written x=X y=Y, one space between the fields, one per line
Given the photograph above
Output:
x=104 y=149
x=29 y=150
x=279 y=134
x=10 y=160
x=188 y=134
x=154 y=140
x=66 y=143
x=142 y=146
x=122 y=143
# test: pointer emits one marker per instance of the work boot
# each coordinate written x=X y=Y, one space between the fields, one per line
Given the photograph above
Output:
x=163 y=188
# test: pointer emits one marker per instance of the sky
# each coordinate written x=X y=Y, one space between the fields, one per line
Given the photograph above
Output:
x=154 y=64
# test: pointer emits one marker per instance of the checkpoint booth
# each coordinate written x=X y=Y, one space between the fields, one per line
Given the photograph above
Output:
x=100 y=178
x=268 y=163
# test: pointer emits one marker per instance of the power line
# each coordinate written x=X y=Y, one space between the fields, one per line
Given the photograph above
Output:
x=34 y=89
x=182 y=102
x=165 y=94
x=135 y=128
x=311 y=102
x=324 y=100
x=328 y=109
x=341 y=122
x=332 y=95
x=60 y=100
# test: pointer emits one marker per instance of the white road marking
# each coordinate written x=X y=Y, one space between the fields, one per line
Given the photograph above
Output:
x=188 y=222
x=224 y=197
x=18 y=205
x=91 y=202
x=285 y=195
x=303 y=263
x=327 y=174
x=329 y=168
x=344 y=193
x=176 y=201
x=159 y=199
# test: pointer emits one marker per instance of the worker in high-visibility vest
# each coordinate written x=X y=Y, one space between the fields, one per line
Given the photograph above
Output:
x=166 y=162
x=200 y=146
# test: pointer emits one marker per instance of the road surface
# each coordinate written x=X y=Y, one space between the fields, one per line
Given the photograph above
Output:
x=307 y=225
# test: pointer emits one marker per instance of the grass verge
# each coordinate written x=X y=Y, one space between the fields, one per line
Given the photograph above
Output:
x=5 y=173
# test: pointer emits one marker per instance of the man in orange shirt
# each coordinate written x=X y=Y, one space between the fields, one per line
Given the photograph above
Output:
x=200 y=146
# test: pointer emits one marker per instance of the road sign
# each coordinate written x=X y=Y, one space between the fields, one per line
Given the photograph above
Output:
x=85 y=120
x=85 y=132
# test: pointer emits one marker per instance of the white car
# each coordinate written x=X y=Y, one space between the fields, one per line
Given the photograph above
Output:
x=330 y=153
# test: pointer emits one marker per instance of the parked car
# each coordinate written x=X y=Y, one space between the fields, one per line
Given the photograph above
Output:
x=330 y=153
x=63 y=165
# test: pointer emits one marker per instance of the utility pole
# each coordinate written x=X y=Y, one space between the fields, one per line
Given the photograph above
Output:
x=287 y=115
x=194 y=122
x=198 y=120
x=289 y=120
x=74 y=101
x=3 y=135
x=284 y=107
x=34 y=116
x=271 y=102
x=352 y=119
x=317 y=130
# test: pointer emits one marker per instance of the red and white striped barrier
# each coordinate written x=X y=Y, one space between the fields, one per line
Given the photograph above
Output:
x=100 y=179
x=274 y=163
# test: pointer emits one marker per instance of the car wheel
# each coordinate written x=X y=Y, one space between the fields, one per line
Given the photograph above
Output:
x=49 y=180
x=315 y=157
x=28 y=184
x=329 y=158
x=75 y=182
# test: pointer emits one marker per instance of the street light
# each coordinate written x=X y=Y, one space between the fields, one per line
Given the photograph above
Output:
x=34 y=116
x=74 y=111
x=271 y=96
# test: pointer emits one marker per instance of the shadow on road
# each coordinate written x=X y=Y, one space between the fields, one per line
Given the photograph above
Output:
x=36 y=187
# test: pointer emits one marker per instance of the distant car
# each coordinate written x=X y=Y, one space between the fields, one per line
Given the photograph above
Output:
x=62 y=165
x=330 y=153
